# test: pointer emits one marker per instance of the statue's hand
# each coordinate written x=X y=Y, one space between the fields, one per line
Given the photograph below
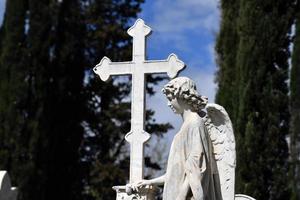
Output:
x=142 y=183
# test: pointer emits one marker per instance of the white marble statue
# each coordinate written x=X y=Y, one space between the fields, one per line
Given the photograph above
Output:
x=201 y=163
x=138 y=67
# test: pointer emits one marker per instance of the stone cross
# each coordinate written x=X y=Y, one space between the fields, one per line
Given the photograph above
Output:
x=6 y=191
x=138 y=67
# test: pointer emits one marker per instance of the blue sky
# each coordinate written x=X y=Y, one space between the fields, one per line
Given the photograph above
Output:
x=187 y=28
x=2 y=8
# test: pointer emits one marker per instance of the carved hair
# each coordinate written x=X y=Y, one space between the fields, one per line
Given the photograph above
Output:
x=184 y=88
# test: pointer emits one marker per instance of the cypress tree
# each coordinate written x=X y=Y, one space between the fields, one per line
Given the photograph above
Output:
x=263 y=117
x=226 y=49
x=45 y=158
x=61 y=83
x=227 y=76
x=54 y=100
x=13 y=88
x=253 y=79
x=295 y=110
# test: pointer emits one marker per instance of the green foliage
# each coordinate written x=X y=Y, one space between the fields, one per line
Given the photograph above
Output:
x=226 y=48
x=253 y=79
x=12 y=87
x=295 y=110
x=43 y=90
x=61 y=128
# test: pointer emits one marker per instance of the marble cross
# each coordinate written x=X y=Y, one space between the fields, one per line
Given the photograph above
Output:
x=6 y=191
x=138 y=67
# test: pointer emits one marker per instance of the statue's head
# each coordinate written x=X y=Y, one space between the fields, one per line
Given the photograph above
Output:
x=182 y=90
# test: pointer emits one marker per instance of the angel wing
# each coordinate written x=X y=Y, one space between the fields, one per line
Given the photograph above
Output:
x=222 y=137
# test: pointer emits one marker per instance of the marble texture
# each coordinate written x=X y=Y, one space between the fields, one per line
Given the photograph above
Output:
x=243 y=197
x=191 y=170
x=138 y=68
x=6 y=191
x=127 y=193
x=202 y=158
x=191 y=162
x=221 y=134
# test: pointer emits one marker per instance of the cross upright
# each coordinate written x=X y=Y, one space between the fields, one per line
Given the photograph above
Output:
x=138 y=67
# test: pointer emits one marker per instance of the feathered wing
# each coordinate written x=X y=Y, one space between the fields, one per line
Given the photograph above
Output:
x=222 y=137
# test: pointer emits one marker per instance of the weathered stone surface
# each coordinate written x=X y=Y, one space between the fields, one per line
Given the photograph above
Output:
x=202 y=158
x=221 y=135
x=138 y=67
x=6 y=191
x=243 y=197
x=127 y=193
x=202 y=161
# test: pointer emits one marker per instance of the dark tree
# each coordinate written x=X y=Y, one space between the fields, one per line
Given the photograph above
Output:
x=61 y=128
x=13 y=92
x=44 y=93
x=295 y=110
x=259 y=92
x=226 y=48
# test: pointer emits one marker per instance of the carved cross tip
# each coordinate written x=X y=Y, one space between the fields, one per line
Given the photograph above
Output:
x=102 y=69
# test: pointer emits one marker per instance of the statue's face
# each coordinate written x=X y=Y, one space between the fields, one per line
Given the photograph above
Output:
x=175 y=105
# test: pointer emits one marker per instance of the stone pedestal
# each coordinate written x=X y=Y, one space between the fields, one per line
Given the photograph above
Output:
x=126 y=193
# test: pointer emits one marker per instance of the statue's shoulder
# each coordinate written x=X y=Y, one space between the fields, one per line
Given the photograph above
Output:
x=195 y=122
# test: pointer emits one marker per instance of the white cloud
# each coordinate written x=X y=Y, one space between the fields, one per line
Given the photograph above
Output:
x=177 y=16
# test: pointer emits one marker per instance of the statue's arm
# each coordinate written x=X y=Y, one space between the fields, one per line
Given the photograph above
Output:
x=157 y=181
x=143 y=183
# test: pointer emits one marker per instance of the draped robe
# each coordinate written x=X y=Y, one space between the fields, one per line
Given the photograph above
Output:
x=191 y=158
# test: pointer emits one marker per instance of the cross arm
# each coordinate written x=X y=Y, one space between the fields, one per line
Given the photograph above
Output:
x=171 y=66
x=106 y=68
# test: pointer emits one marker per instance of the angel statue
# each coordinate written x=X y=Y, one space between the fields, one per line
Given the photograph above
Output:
x=201 y=161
